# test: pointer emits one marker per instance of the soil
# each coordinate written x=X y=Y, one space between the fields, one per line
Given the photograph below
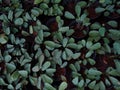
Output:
x=79 y=30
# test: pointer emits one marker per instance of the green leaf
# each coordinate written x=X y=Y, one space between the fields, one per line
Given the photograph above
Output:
x=112 y=23
x=59 y=36
x=30 y=29
x=37 y=1
x=102 y=1
x=89 y=44
x=46 y=65
x=10 y=15
x=78 y=10
x=82 y=4
x=35 y=12
x=23 y=73
x=68 y=52
x=3 y=39
x=7 y=30
x=81 y=83
x=18 y=86
x=39 y=83
x=69 y=15
x=44 y=6
x=63 y=29
x=18 y=21
x=107 y=82
x=2 y=82
x=33 y=80
x=51 y=44
x=95 y=46
x=91 y=61
x=41 y=60
x=69 y=32
x=35 y=68
x=8 y=58
x=95 y=26
x=49 y=87
x=117 y=65
x=46 y=79
x=64 y=56
x=93 y=33
x=76 y=55
x=73 y=67
x=75 y=81
x=114 y=81
x=10 y=67
x=94 y=72
x=83 y=17
x=102 y=31
x=92 y=85
x=89 y=53
x=15 y=75
x=63 y=86
x=102 y=85
x=18 y=13
x=65 y=41
x=10 y=87
x=55 y=1
x=99 y=9
x=116 y=47
x=50 y=71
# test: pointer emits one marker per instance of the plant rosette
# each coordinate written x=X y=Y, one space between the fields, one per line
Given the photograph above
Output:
x=109 y=9
x=80 y=31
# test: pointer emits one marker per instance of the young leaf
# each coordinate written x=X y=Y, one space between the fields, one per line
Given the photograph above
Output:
x=10 y=67
x=37 y=1
x=92 y=85
x=3 y=39
x=10 y=87
x=69 y=15
x=89 y=53
x=51 y=44
x=94 y=72
x=2 y=82
x=35 y=68
x=18 y=21
x=114 y=81
x=102 y=31
x=82 y=4
x=10 y=15
x=49 y=87
x=116 y=47
x=112 y=23
x=81 y=83
x=33 y=80
x=89 y=44
x=75 y=81
x=99 y=9
x=76 y=55
x=95 y=46
x=63 y=86
x=78 y=10
x=23 y=73
x=46 y=65
x=65 y=41
x=102 y=85
x=46 y=79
